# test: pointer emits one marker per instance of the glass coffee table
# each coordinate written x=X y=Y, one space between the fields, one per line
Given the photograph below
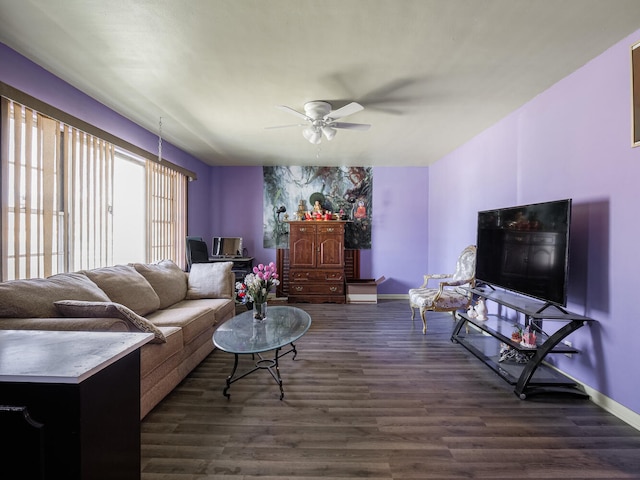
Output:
x=243 y=335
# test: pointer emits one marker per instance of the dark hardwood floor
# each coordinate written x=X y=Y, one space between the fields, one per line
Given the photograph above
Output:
x=369 y=396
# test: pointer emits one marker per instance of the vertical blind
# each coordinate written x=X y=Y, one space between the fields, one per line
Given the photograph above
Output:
x=88 y=194
x=166 y=211
x=57 y=194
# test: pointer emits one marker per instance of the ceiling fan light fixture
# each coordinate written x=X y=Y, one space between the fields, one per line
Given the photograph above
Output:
x=329 y=132
x=313 y=135
x=321 y=120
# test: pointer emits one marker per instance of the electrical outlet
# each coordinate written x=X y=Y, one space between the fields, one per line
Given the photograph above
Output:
x=568 y=344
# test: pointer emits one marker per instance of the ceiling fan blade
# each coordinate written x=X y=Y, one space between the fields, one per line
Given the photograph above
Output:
x=287 y=126
x=350 y=126
x=348 y=109
x=284 y=108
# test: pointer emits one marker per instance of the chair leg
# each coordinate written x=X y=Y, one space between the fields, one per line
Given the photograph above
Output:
x=412 y=312
x=424 y=321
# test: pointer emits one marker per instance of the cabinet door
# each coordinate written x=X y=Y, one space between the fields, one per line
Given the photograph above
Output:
x=331 y=246
x=302 y=247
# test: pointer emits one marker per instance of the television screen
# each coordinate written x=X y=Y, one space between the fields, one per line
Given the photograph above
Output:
x=525 y=249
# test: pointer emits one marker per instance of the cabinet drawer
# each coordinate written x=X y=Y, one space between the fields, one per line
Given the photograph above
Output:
x=316 y=276
x=308 y=228
x=337 y=229
x=316 y=289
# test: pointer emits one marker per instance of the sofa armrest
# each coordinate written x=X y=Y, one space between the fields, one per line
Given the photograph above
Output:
x=67 y=324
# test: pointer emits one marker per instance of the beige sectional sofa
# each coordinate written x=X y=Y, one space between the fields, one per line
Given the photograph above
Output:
x=181 y=310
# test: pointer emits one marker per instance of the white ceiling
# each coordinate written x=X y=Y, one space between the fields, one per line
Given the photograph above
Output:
x=431 y=74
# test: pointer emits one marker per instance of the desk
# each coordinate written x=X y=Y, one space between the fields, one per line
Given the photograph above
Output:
x=70 y=404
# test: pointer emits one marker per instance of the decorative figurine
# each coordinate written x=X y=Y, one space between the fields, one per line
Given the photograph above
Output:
x=529 y=337
x=302 y=210
x=361 y=210
x=481 y=310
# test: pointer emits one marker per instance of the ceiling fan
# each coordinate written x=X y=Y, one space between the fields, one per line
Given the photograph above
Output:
x=321 y=120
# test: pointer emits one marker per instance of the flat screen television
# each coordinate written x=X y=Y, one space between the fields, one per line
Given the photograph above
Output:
x=226 y=246
x=525 y=249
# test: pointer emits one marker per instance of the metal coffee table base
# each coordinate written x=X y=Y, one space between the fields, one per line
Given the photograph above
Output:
x=262 y=364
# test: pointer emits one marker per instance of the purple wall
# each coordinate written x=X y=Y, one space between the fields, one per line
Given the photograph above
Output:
x=30 y=78
x=399 y=236
x=572 y=141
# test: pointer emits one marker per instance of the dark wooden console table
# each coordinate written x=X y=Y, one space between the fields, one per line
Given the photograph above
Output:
x=487 y=340
x=70 y=404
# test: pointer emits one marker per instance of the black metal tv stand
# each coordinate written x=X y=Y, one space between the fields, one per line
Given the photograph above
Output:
x=526 y=370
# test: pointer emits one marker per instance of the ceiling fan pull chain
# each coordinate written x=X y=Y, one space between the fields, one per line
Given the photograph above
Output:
x=160 y=141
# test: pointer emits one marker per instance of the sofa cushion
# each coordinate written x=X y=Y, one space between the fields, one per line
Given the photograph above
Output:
x=74 y=308
x=35 y=297
x=222 y=308
x=124 y=285
x=193 y=320
x=167 y=279
x=210 y=280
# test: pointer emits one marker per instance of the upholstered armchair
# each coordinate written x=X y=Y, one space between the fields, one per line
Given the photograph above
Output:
x=448 y=296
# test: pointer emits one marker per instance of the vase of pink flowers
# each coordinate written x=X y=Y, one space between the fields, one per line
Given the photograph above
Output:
x=256 y=286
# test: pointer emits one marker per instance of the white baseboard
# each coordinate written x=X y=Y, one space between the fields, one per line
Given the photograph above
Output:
x=623 y=413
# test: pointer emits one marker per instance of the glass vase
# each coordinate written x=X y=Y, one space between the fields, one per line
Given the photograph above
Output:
x=259 y=311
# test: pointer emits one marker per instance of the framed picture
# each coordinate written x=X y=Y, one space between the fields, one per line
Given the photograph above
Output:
x=635 y=94
x=346 y=191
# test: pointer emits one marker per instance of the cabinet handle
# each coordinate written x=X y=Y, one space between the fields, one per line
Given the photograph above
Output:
x=302 y=229
x=298 y=289
x=334 y=289
x=330 y=229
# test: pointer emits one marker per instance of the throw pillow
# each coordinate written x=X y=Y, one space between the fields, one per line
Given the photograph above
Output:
x=210 y=280
x=126 y=286
x=167 y=279
x=34 y=298
x=78 y=309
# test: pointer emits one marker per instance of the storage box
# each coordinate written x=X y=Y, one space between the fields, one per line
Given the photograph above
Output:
x=363 y=290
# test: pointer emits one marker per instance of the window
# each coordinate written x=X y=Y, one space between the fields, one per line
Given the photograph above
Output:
x=71 y=200
x=129 y=211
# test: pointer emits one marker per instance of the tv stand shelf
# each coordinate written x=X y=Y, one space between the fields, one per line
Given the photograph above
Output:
x=487 y=339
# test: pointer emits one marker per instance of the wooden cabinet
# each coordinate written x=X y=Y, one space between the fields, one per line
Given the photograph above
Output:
x=316 y=262
x=351 y=268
